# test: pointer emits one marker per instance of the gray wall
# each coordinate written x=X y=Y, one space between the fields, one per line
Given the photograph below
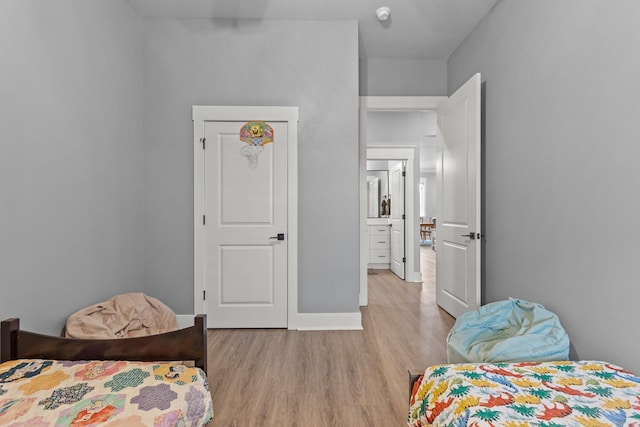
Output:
x=313 y=65
x=403 y=77
x=561 y=163
x=71 y=156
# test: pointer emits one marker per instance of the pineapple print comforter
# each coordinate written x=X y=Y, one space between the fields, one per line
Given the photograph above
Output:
x=584 y=393
x=47 y=393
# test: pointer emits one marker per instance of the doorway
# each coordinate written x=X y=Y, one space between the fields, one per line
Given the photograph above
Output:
x=401 y=219
x=245 y=216
x=458 y=192
x=406 y=153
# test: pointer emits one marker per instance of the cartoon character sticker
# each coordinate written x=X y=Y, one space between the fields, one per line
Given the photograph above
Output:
x=256 y=134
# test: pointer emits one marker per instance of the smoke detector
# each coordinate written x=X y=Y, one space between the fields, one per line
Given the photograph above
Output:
x=383 y=13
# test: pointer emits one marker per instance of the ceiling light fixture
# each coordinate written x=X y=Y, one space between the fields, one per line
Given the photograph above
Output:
x=383 y=13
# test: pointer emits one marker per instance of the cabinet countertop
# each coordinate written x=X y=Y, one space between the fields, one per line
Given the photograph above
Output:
x=378 y=221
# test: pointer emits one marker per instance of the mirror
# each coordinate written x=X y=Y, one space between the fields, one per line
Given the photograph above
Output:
x=377 y=191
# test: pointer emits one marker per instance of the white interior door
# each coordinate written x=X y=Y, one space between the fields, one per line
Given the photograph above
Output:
x=245 y=207
x=396 y=192
x=458 y=200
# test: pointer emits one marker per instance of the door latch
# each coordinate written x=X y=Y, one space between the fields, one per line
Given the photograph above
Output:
x=280 y=236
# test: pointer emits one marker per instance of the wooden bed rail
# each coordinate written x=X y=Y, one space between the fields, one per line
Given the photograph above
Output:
x=184 y=344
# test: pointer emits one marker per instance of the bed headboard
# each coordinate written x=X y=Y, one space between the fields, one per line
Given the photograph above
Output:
x=184 y=344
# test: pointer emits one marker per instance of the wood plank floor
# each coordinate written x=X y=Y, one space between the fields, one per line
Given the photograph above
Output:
x=281 y=378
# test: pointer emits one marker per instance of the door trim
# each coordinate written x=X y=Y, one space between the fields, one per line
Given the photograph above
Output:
x=381 y=103
x=201 y=114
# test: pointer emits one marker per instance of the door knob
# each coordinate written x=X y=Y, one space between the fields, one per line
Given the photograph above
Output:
x=471 y=236
x=280 y=236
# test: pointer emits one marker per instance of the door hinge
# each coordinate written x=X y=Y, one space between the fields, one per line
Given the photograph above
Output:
x=203 y=220
x=203 y=140
x=402 y=216
x=404 y=173
x=204 y=295
x=404 y=259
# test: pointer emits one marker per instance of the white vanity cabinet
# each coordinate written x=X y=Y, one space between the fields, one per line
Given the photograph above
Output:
x=379 y=246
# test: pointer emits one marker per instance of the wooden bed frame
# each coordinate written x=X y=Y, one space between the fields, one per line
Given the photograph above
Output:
x=184 y=344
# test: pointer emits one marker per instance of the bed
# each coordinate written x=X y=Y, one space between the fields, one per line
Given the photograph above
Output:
x=53 y=381
x=581 y=393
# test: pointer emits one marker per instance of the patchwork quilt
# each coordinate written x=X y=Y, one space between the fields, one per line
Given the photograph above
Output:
x=584 y=393
x=48 y=393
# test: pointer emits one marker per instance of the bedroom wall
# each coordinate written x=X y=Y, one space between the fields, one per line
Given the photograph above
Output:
x=560 y=84
x=403 y=77
x=71 y=151
x=312 y=65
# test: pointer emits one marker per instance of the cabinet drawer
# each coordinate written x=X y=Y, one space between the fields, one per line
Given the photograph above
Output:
x=379 y=257
x=379 y=230
x=379 y=242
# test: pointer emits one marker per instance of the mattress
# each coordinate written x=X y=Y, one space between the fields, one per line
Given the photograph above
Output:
x=39 y=393
x=582 y=393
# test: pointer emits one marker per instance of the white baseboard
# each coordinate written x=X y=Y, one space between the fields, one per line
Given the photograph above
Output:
x=363 y=299
x=414 y=277
x=328 y=321
x=185 y=320
x=306 y=321
x=379 y=266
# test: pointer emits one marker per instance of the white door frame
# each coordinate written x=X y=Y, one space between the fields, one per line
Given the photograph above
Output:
x=388 y=103
x=202 y=114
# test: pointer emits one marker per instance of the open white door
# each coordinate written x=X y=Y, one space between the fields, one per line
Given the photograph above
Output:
x=458 y=200
x=396 y=191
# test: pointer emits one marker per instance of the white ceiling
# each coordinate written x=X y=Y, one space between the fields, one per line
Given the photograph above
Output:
x=417 y=29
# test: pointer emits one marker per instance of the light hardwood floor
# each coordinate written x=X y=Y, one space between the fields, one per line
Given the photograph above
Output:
x=281 y=378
